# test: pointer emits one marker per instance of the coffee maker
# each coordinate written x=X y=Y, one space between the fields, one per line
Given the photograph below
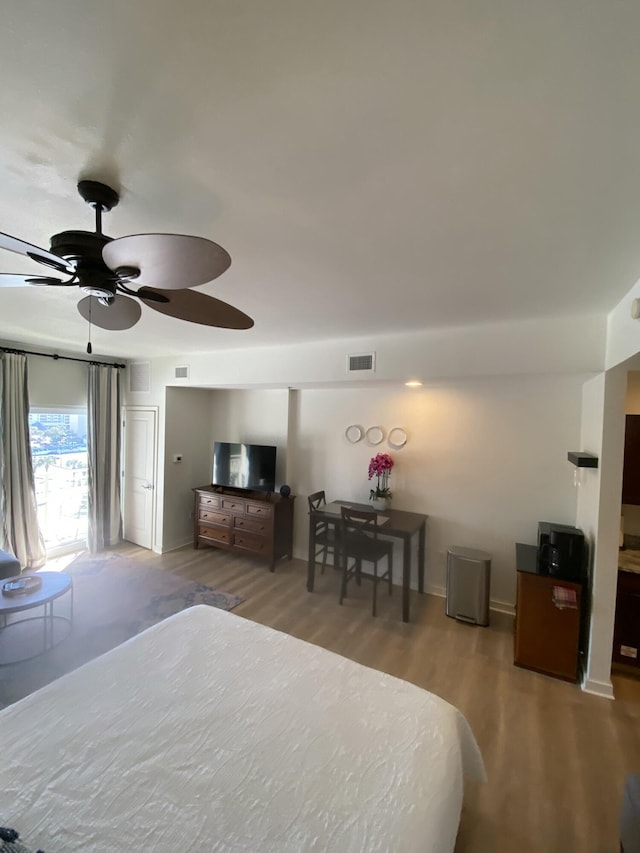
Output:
x=561 y=551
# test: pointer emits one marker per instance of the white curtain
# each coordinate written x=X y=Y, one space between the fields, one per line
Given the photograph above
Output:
x=21 y=534
x=103 y=451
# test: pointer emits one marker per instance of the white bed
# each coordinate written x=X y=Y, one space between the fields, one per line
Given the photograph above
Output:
x=210 y=732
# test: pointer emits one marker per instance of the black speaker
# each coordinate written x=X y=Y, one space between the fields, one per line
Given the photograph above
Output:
x=285 y=491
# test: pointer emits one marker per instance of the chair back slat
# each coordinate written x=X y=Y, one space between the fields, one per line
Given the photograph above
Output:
x=323 y=527
x=316 y=500
x=359 y=524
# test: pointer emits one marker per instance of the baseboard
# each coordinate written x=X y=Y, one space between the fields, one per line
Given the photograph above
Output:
x=598 y=688
x=495 y=605
x=502 y=607
x=175 y=546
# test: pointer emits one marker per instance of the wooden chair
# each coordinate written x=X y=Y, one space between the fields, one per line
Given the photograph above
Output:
x=326 y=532
x=360 y=543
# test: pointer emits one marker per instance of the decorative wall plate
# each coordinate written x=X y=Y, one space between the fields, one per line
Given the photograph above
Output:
x=353 y=433
x=375 y=434
x=397 y=438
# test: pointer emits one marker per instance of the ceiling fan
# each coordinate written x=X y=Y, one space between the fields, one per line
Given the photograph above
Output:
x=163 y=268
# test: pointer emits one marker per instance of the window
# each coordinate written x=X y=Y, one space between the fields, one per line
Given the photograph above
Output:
x=59 y=453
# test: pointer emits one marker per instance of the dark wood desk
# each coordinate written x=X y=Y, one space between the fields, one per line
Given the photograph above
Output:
x=401 y=525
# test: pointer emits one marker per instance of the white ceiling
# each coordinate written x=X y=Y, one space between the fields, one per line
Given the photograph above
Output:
x=371 y=166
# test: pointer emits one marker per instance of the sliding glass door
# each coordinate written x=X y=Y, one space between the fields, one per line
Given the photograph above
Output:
x=59 y=453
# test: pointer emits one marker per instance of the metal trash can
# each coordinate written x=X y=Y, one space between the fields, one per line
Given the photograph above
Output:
x=468 y=585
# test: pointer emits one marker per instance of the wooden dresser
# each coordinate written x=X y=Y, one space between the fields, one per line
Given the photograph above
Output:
x=255 y=524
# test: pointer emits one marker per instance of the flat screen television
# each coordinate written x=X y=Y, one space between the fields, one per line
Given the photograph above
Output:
x=244 y=466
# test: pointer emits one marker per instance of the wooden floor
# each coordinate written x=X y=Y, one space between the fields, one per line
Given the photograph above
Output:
x=556 y=757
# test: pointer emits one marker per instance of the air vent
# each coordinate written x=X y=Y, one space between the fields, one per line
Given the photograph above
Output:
x=362 y=362
x=140 y=377
x=181 y=372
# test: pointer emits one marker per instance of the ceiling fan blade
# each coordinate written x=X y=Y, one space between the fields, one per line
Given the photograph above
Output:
x=12 y=244
x=121 y=313
x=196 y=307
x=168 y=261
x=15 y=280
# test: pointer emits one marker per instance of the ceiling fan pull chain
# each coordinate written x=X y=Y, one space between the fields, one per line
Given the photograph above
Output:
x=89 y=347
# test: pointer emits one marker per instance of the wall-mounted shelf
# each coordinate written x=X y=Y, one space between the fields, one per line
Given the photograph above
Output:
x=582 y=460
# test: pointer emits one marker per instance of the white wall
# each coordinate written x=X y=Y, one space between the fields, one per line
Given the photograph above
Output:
x=254 y=417
x=623 y=332
x=193 y=419
x=187 y=432
x=56 y=383
x=599 y=514
x=550 y=346
x=486 y=459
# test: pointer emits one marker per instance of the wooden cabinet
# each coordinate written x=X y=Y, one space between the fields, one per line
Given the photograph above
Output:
x=626 y=634
x=547 y=631
x=631 y=470
x=251 y=523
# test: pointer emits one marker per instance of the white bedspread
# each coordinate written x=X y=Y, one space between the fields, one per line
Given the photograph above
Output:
x=209 y=732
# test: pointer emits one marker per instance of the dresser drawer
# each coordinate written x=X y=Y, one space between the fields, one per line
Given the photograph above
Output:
x=214 y=517
x=259 y=510
x=251 y=542
x=215 y=534
x=209 y=501
x=253 y=525
x=232 y=505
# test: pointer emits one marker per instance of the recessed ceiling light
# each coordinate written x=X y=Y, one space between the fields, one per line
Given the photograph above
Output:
x=413 y=383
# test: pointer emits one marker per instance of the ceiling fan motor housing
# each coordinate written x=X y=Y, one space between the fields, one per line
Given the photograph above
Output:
x=85 y=248
x=80 y=246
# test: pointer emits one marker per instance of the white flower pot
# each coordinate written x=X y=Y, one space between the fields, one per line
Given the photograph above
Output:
x=380 y=504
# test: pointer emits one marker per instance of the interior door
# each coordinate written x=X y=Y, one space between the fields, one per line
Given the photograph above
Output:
x=138 y=493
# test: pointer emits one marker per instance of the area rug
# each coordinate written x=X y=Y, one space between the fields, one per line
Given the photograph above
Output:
x=114 y=598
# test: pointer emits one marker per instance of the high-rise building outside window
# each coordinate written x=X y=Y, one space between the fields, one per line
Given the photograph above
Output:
x=59 y=453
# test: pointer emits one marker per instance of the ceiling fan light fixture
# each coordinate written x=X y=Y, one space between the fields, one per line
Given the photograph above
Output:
x=100 y=291
x=117 y=315
x=95 y=280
